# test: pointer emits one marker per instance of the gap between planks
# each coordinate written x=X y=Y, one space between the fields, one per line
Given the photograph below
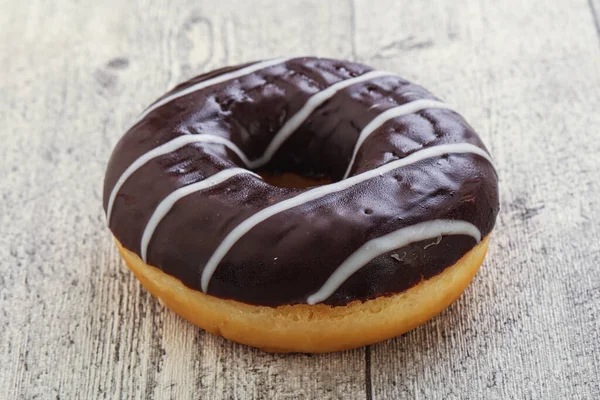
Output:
x=595 y=16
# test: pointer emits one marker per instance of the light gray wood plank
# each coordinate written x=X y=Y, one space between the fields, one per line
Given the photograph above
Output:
x=595 y=8
x=78 y=325
x=526 y=76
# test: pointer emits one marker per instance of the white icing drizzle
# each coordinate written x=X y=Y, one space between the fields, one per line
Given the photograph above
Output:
x=167 y=203
x=213 y=81
x=163 y=149
x=395 y=240
x=377 y=122
x=248 y=224
x=309 y=107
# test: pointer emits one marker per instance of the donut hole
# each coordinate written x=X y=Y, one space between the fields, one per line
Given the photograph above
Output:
x=292 y=179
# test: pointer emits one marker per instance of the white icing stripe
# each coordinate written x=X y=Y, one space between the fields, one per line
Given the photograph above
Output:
x=213 y=81
x=167 y=203
x=311 y=105
x=321 y=191
x=163 y=149
x=382 y=118
x=392 y=241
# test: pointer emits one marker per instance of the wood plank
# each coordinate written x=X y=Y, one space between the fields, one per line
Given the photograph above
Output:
x=595 y=8
x=78 y=325
x=526 y=76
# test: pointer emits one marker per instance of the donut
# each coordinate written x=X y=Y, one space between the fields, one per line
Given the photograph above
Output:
x=302 y=204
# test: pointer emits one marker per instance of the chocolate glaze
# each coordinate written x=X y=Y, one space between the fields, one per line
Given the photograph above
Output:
x=291 y=254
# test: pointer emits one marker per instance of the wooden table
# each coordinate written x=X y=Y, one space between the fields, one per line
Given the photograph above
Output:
x=75 y=324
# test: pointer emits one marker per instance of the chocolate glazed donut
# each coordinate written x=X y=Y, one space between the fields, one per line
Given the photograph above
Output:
x=413 y=188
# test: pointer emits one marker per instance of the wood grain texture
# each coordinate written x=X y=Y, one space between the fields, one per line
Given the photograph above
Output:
x=75 y=323
x=528 y=326
x=595 y=8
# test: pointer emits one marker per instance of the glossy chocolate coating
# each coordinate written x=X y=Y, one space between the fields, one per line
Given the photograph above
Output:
x=290 y=255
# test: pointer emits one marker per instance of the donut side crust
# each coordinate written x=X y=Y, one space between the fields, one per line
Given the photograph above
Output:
x=311 y=328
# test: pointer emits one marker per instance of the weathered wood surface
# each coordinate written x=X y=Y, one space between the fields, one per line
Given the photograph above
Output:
x=74 y=323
